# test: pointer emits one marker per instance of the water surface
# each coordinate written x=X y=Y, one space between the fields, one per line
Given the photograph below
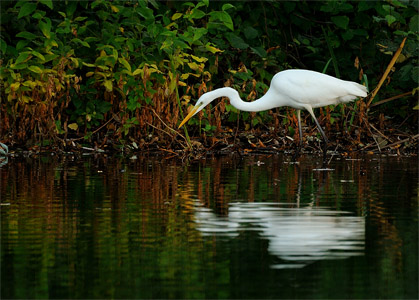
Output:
x=230 y=227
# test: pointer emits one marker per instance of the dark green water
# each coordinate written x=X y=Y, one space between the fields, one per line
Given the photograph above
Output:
x=255 y=227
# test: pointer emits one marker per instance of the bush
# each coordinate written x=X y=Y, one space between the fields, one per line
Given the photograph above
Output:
x=113 y=69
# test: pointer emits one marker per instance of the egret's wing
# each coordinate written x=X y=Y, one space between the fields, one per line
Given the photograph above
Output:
x=302 y=87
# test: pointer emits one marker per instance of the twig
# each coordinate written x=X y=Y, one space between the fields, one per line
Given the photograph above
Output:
x=170 y=151
x=332 y=155
x=151 y=125
x=387 y=71
x=369 y=129
x=402 y=141
x=154 y=112
x=80 y=138
x=391 y=99
x=380 y=133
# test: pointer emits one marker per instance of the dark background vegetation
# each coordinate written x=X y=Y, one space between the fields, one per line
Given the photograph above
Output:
x=122 y=73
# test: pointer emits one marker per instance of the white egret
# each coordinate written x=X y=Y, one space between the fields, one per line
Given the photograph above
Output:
x=300 y=89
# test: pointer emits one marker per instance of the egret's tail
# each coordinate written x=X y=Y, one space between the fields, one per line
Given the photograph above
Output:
x=354 y=90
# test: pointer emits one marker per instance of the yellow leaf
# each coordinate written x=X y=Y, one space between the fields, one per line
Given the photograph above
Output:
x=170 y=25
x=138 y=71
x=31 y=84
x=184 y=76
x=114 y=9
x=108 y=85
x=193 y=66
x=73 y=126
x=26 y=99
x=181 y=83
x=199 y=59
x=172 y=85
x=15 y=86
x=11 y=96
x=53 y=43
x=176 y=16
x=89 y=65
x=35 y=69
x=121 y=29
x=88 y=74
x=401 y=58
x=75 y=61
x=212 y=49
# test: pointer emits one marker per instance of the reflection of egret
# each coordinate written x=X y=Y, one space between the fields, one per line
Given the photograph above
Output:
x=300 y=89
x=296 y=235
x=4 y=151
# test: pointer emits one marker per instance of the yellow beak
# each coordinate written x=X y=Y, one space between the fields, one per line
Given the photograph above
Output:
x=191 y=113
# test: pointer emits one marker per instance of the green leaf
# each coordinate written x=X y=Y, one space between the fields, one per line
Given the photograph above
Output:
x=259 y=51
x=365 y=5
x=327 y=7
x=26 y=9
x=38 y=15
x=198 y=33
x=47 y=3
x=341 y=21
x=236 y=41
x=180 y=45
x=23 y=56
x=3 y=46
x=390 y=19
x=21 y=45
x=196 y=14
x=26 y=35
x=80 y=19
x=348 y=35
x=250 y=33
x=125 y=63
x=222 y=16
x=35 y=69
x=79 y=41
x=146 y=13
x=227 y=6
x=37 y=54
x=46 y=27
x=415 y=74
x=414 y=23
x=19 y=66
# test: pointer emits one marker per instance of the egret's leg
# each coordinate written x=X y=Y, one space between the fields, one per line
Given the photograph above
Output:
x=310 y=110
x=300 y=131
x=298 y=147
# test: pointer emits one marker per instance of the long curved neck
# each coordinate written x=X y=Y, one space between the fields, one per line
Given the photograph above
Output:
x=261 y=104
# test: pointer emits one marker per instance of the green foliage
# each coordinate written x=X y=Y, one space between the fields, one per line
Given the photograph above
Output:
x=67 y=68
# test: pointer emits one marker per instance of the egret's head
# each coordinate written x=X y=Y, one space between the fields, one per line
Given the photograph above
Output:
x=203 y=101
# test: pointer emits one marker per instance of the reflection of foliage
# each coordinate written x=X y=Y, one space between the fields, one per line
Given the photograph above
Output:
x=111 y=229
x=69 y=68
